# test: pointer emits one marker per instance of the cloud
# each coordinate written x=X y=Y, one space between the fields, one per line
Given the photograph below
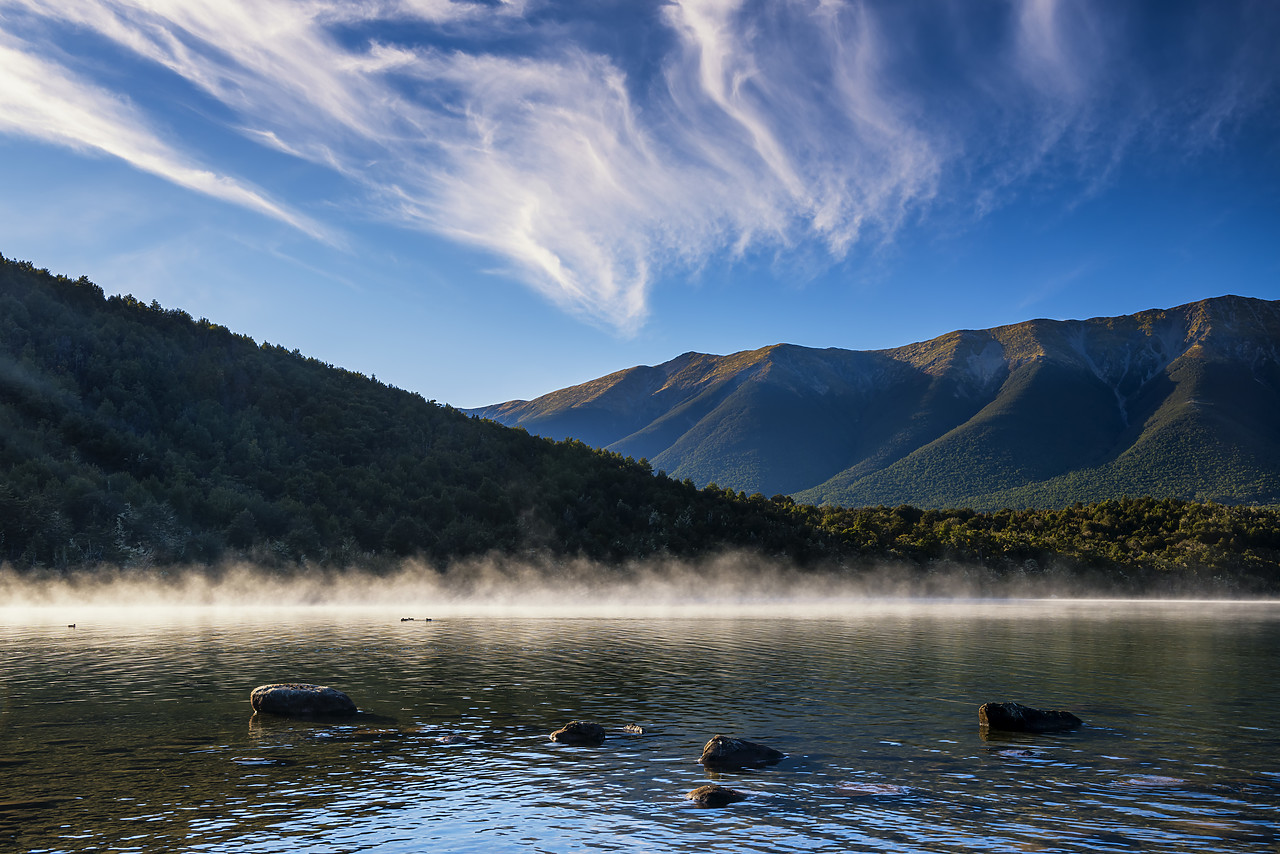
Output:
x=800 y=107
x=547 y=165
x=598 y=157
x=40 y=100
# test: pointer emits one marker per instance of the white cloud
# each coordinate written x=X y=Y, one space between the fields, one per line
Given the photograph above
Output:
x=817 y=108
x=42 y=101
x=548 y=166
x=772 y=127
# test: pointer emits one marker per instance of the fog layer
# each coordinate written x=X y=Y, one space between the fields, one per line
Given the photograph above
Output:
x=733 y=584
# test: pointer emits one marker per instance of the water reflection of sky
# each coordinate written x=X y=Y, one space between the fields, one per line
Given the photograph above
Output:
x=137 y=733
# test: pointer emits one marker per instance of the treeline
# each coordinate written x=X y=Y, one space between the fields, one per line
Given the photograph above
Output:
x=1128 y=542
x=133 y=435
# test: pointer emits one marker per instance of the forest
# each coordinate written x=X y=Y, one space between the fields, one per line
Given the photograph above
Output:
x=137 y=436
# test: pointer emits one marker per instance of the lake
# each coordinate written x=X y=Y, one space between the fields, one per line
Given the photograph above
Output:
x=133 y=731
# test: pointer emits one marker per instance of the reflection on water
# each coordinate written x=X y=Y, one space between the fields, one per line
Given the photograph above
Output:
x=138 y=736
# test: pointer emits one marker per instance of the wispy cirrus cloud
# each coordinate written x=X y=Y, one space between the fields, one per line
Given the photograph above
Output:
x=799 y=104
x=41 y=100
x=742 y=126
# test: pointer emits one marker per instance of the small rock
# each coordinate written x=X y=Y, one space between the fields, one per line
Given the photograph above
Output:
x=1012 y=717
x=715 y=796
x=299 y=700
x=634 y=729
x=579 y=732
x=724 y=752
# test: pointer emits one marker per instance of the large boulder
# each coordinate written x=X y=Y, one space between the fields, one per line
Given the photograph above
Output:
x=579 y=732
x=725 y=752
x=299 y=700
x=715 y=796
x=1012 y=717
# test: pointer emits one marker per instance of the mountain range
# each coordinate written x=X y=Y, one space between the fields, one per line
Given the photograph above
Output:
x=1181 y=402
x=137 y=438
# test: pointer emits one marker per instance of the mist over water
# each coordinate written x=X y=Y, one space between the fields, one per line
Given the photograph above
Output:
x=726 y=585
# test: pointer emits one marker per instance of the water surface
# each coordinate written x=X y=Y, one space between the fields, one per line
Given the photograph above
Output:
x=135 y=734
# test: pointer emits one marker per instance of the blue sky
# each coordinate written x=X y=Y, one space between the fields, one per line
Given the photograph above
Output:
x=482 y=201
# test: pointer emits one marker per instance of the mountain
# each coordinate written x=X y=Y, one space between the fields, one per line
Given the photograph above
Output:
x=135 y=435
x=1181 y=402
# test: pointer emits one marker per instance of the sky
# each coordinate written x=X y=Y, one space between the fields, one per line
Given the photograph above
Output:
x=486 y=200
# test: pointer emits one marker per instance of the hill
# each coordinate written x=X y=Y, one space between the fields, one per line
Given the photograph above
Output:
x=135 y=435
x=1181 y=403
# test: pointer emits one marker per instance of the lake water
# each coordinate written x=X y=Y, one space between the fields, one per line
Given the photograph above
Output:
x=134 y=732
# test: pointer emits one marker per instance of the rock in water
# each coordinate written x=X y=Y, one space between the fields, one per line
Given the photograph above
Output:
x=724 y=752
x=579 y=732
x=298 y=700
x=715 y=796
x=1012 y=717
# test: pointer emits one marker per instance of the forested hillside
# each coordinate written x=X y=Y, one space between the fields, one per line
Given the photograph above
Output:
x=136 y=436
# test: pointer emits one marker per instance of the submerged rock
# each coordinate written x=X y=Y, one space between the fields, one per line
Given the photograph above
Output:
x=871 y=790
x=1151 y=781
x=724 y=752
x=262 y=761
x=712 y=795
x=366 y=735
x=1013 y=717
x=30 y=804
x=1018 y=754
x=634 y=729
x=579 y=732
x=299 y=700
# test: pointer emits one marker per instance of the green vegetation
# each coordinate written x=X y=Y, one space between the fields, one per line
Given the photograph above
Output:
x=1122 y=544
x=136 y=436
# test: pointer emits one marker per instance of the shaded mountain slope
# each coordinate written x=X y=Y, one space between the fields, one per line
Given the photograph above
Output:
x=1183 y=402
x=136 y=435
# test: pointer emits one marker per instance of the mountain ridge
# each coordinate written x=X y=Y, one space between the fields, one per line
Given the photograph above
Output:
x=1179 y=401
